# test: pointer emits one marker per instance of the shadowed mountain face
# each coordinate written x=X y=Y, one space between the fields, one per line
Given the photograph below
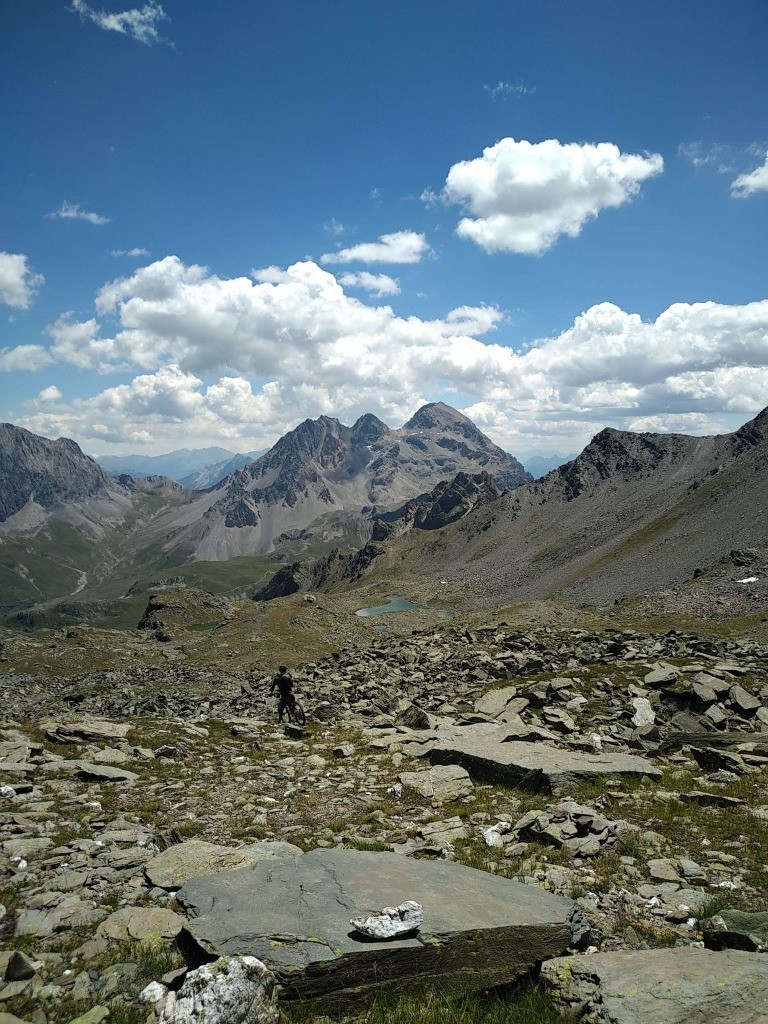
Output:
x=324 y=466
x=632 y=513
x=36 y=471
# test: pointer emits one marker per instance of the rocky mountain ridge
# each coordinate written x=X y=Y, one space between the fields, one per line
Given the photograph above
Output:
x=323 y=465
x=633 y=512
x=37 y=471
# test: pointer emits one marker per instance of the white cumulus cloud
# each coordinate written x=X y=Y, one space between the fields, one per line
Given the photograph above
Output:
x=139 y=23
x=521 y=196
x=130 y=252
x=71 y=211
x=25 y=357
x=18 y=283
x=377 y=285
x=748 y=184
x=397 y=247
x=51 y=394
x=249 y=357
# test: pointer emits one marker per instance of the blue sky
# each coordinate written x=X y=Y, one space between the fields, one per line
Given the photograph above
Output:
x=244 y=135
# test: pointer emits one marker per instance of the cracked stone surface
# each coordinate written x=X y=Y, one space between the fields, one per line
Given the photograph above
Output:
x=478 y=930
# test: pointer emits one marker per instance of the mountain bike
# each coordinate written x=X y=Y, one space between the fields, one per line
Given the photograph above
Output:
x=295 y=712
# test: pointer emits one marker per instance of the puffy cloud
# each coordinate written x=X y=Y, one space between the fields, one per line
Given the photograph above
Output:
x=377 y=285
x=139 y=23
x=130 y=252
x=71 y=211
x=398 y=247
x=25 y=357
x=18 y=283
x=755 y=181
x=51 y=394
x=522 y=195
x=247 y=358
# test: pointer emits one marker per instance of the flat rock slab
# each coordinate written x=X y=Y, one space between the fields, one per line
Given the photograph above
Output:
x=686 y=985
x=294 y=915
x=89 y=731
x=140 y=924
x=176 y=865
x=538 y=767
x=442 y=783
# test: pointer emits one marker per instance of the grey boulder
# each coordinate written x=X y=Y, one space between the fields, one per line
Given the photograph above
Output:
x=737 y=929
x=684 y=985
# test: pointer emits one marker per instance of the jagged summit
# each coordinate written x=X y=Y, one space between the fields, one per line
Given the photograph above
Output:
x=368 y=429
x=46 y=473
x=633 y=512
x=324 y=466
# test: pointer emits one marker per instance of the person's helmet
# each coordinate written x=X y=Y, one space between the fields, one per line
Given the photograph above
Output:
x=282 y=668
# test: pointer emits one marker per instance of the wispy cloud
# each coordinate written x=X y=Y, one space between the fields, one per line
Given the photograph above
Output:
x=334 y=227
x=72 y=211
x=139 y=23
x=509 y=90
x=718 y=156
x=130 y=252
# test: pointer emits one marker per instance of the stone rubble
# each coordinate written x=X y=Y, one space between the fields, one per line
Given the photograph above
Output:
x=144 y=782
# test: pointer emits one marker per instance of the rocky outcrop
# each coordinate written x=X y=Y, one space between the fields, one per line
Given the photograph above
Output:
x=450 y=501
x=537 y=767
x=660 y=986
x=335 y=569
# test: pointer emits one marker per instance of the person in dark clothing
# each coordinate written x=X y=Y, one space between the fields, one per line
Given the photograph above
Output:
x=283 y=684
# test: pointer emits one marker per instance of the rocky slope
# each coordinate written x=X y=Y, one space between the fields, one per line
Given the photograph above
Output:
x=633 y=513
x=323 y=466
x=116 y=830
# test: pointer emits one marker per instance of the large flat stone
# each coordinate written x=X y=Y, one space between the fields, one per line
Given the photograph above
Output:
x=294 y=915
x=176 y=865
x=538 y=767
x=686 y=985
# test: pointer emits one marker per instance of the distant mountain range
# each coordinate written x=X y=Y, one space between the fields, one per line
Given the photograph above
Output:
x=196 y=468
x=66 y=526
x=539 y=465
x=632 y=513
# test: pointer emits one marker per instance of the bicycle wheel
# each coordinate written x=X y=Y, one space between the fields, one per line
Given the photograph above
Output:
x=298 y=714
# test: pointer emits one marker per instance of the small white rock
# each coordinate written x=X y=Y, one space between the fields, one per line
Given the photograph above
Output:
x=391 y=921
x=153 y=992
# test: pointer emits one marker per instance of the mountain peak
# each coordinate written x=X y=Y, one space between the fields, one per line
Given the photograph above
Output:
x=368 y=429
x=435 y=414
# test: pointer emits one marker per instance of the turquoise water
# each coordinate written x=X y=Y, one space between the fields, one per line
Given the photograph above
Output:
x=394 y=604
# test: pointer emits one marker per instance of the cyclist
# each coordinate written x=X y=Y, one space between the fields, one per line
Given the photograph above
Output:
x=283 y=683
